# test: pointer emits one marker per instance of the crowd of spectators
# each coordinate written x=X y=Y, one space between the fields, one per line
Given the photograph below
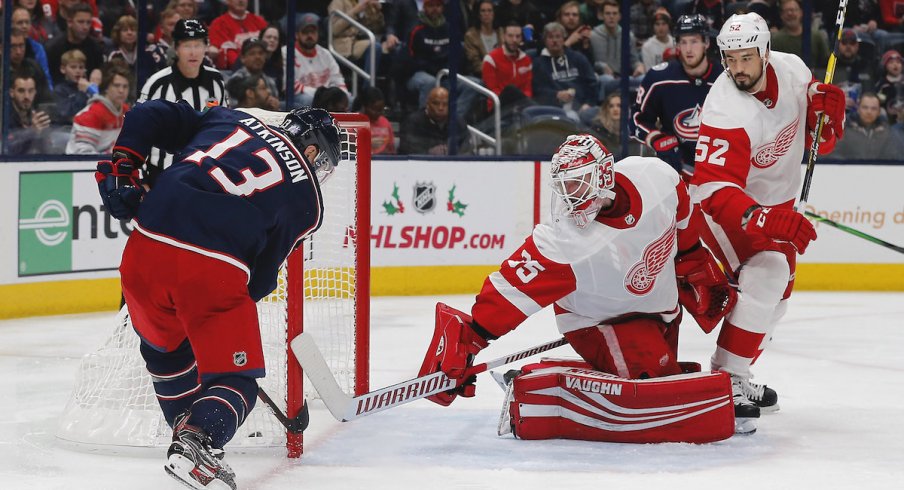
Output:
x=75 y=66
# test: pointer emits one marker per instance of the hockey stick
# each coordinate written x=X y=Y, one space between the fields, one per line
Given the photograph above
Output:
x=854 y=232
x=296 y=425
x=345 y=408
x=830 y=74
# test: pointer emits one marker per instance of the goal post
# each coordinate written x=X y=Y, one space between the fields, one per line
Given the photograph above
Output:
x=323 y=289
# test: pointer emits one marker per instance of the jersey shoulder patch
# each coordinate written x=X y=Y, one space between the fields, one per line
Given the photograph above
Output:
x=661 y=66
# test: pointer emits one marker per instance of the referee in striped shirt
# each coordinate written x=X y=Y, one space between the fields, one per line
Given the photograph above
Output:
x=186 y=79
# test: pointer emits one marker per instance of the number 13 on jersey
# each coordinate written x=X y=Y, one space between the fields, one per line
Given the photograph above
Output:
x=710 y=150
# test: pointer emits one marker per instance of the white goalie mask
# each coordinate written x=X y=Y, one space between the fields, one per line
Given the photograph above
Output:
x=582 y=176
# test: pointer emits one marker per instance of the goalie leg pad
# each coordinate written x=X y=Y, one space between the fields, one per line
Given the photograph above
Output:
x=581 y=404
x=635 y=349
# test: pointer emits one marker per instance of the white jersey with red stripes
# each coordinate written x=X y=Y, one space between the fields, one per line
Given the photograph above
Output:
x=755 y=142
x=621 y=264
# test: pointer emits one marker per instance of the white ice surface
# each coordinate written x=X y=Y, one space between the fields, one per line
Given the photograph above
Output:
x=837 y=362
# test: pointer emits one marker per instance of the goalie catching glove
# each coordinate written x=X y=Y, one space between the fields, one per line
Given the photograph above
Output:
x=703 y=289
x=119 y=183
x=456 y=341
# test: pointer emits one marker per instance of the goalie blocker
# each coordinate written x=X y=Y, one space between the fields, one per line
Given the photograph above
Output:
x=567 y=399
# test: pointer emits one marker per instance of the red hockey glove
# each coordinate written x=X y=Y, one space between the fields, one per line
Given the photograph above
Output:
x=119 y=183
x=452 y=349
x=829 y=100
x=703 y=289
x=779 y=224
x=662 y=142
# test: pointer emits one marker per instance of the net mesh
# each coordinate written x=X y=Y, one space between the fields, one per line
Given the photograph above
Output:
x=113 y=402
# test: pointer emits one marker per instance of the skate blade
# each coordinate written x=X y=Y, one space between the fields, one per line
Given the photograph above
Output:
x=772 y=409
x=745 y=426
x=180 y=467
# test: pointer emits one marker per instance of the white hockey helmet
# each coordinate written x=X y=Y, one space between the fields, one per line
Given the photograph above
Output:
x=582 y=176
x=743 y=31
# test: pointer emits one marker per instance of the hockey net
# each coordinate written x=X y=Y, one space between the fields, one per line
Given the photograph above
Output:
x=323 y=289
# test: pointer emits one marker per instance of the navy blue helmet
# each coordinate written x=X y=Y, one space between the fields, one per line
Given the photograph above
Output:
x=307 y=126
x=692 y=24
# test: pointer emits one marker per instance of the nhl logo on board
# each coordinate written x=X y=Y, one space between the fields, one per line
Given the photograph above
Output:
x=240 y=359
x=424 y=197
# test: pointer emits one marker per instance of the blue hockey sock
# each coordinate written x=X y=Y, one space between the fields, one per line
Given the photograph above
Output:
x=175 y=377
x=223 y=406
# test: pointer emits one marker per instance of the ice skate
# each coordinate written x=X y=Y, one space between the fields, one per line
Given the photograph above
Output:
x=192 y=461
x=746 y=411
x=761 y=395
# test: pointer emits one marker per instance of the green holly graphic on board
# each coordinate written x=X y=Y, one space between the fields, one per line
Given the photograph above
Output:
x=454 y=206
x=396 y=207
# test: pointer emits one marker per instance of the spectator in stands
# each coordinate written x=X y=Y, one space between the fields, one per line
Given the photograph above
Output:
x=563 y=77
x=606 y=125
x=163 y=36
x=76 y=36
x=331 y=99
x=896 y=112
x=314 y=65
x=652 y=49
x=347 y=39
x=400 y=19
x=427 y=131
x=21 y=23
x=890 y=85
x=508 y=68
x=42 y=27
x=592 y=13
x=249 y=91
x=371 y=103
x=26 y=126
x=789 y=39
x=854 y=73
x=866 y=135
x=18 y=61
x=125 y=40
x=254 y=55
x=96 y=127
x=429 y=51
x=713 y=10
x=188 y=78
x=607 y=50
x=524 y=12
x=641 y=15
x=187 y=9
x=273 y=39
x=481 y=38
x=72 y=93
x=228 y=31
x=577 y=35
x=61 y=11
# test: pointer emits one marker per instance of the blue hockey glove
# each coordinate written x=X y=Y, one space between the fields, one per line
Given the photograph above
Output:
x=120 y=187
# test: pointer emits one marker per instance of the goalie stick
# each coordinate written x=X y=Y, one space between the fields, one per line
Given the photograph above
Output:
x=345 y=408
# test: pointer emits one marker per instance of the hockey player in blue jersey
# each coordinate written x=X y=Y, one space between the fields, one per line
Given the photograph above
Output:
x=210 y=236
x=666 y=113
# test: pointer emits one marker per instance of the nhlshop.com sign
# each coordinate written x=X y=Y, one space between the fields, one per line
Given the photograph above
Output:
x=449 y=213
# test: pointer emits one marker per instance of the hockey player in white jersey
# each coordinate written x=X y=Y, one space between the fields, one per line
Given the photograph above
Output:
x=755 y=126
x=608 y=263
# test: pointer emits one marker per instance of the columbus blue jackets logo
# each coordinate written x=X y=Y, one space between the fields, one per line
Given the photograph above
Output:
x=424 y=197
x=687 y=123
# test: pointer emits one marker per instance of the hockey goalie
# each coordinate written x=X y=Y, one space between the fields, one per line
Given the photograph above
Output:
x=615 y=262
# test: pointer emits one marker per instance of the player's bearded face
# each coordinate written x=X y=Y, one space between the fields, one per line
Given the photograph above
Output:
x=745 y=67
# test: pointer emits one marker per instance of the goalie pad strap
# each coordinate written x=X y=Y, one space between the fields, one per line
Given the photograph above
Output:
x=576 y=403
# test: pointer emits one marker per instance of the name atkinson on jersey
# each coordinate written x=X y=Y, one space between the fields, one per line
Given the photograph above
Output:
x=296 y=169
